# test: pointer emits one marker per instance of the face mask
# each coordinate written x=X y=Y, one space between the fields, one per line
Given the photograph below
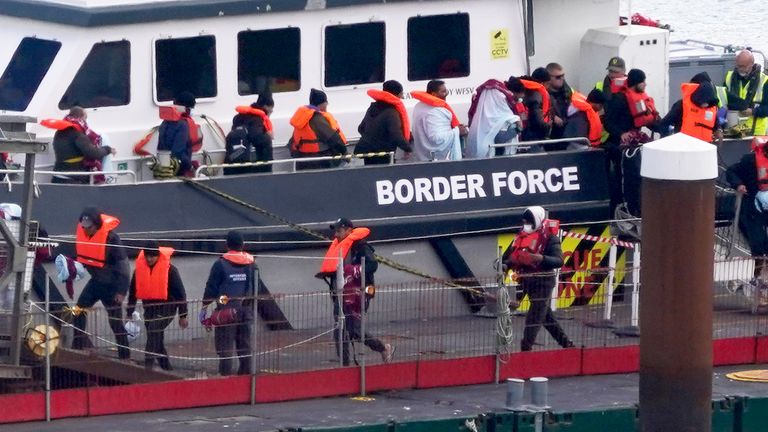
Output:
x=527 y=228
x=520 y=100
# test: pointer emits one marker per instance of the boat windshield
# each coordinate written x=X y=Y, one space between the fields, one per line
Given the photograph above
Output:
x=25 y=72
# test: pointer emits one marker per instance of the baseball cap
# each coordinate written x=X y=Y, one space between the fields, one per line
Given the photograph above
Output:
x=342 y=223
x=616 y=64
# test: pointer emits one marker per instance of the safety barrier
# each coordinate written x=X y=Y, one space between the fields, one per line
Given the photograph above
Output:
x=89 y=174
x=294 y=161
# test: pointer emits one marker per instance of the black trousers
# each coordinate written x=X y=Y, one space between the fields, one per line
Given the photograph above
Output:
x=539 y=291
x=352 y=332
x=92 y=293
x=231 y=340
x=377 y=160
x=156 y=320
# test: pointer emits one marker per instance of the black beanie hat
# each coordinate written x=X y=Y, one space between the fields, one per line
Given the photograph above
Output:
x=151 y=248
x=540 y=75
x=393 y=87
x=90 y=215
x=185 y=99
x=264 y=99
x=635 y=77
x=235 y=240
x=317 y=97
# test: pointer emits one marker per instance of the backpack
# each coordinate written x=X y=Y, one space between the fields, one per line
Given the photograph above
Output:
x=238 y=146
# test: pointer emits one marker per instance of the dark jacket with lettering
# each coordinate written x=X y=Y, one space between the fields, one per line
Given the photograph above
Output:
x=115 y=276
x=232 y=280
x=381 y=130
x=70 y=144
x=177 y=298
x=174 y=137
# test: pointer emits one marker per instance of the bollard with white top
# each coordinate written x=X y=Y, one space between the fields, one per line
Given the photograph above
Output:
x=678 y=208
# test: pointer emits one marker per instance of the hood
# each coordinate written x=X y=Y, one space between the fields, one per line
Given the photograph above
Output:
x=302 y=116
x=705 y=95
x=535 y=214
x=238 y=258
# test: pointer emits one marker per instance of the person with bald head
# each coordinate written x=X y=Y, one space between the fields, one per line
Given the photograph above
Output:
x=747 y=92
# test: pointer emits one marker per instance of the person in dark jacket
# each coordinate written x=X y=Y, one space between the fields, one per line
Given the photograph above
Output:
x=382 y=128
x=747 y=92
x=703 y=97
x=175 y=136
x=560 y=95
x=160 y=302
x=251 y=138
x=231 y=285
x=316 y=133
x=577 y=124
x=110 y=272
x=536 y=128
x=742 y=176
x=529 y=257
x=73 y=148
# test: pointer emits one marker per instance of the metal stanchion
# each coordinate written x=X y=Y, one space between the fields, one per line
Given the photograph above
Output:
x=500 y=286
x=633 y=330
x=340 y=304
x=515 y=391
x=362 y=326
x=556 y=290
x=253 y=333
x=47 y=349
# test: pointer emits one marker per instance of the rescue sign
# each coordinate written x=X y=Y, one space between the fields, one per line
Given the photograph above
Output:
x=499 y=44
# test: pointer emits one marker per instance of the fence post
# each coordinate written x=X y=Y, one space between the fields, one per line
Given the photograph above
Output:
x=255 y=311
x=362 y=326
x=499 y=287
x=47 y=349
x=340 y=303
x=636 y=287
x=556 y=290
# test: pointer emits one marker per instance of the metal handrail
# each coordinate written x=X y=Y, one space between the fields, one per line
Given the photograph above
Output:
x=294 y=161
x=583 y=140
x=90 y=174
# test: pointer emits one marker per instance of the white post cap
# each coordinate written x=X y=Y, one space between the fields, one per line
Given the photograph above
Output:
x=679 y=157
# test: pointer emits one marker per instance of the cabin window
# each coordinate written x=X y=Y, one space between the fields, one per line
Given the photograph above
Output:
x=103 y=80
x=268 y=59
x=354 y=54
x=438 y=47
x=186 y=64
x=26 y=70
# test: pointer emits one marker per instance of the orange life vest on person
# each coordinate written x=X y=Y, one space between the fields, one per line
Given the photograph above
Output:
x=331 y=260
x=58 y=124
x=641 y=107
x=249 y=110
x=383 y=96
x=540 y=89
x=761 y=162
x=305 y=139
x=170 y=113
x=535 y=242
x=92 y=251
x=437 y=103
x=152 y=282
x=239 y=257
x=697 y=122
x=595 y=125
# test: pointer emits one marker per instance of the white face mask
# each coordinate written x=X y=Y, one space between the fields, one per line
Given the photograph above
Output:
x=527 y=228
x=520 y=100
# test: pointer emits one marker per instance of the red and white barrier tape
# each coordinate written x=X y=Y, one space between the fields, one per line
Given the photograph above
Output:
x=609 y=240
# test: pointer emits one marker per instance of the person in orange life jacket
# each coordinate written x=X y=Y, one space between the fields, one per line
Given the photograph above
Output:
x=100 y=250
x=536 y=251
x=175 y=135
x=749 y=177
x=696 y=113
x=537 y=125
x=560 y=95
x=350 y=242
x=623 y=126
x=584 y=120
x=316 y=133
x=73 y=148
x=385 y=126
x=251 y=137
x=232 y=275
x=437 y=131
x=157 y=283
x=615 y=78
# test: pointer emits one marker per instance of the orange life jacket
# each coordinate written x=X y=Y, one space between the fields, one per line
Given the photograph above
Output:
x=697 y=122
x=761 y=162
x=387 y=97
x=170 y=113
x=152 y=283
x=305 y=139
x=239 y=257
x=595 y=125
x=535 y=242
x=249 y=110
x=58 y=124
x=92 y=251
x=331 y=260
x=437 y=103
x=641 y=107
x=540 y=89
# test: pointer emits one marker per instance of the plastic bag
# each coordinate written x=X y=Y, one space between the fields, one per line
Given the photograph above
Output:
x=133 y=327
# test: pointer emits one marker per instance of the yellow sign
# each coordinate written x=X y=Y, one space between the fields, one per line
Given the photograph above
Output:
x=500 y=44
x=584 y=277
